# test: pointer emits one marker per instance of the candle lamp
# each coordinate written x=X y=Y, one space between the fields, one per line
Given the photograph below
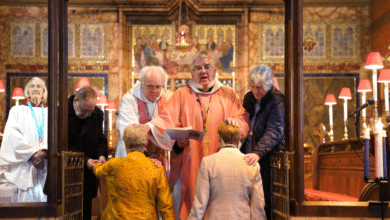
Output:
x=364 y=86
x=2 y=89
x=102 y=102
x=378 y=141
x=17 y=94
x=330 y=100
x=111 y=107
x=384 y=78
x=366 y=137
x=374 y=62
x=345 y=94
x=82 y=82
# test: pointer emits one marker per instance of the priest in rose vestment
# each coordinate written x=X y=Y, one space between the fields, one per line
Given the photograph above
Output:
x=23 y=152
x=203 y=104
x=145 y=104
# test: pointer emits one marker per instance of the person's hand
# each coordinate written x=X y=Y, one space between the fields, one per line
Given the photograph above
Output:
x=156 y=162
x=251 y=159
x=37 y=159
x=102 y=159
x=232 y=121
x=91 y=162
x=182 y=142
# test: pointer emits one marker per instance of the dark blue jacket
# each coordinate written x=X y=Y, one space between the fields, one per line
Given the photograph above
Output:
x=268 y=130
x=268 y=133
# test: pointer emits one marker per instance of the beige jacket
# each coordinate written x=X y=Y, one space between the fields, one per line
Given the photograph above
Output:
x=228 y=188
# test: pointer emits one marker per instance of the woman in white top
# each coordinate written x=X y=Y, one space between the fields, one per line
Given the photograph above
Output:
x=23 y=163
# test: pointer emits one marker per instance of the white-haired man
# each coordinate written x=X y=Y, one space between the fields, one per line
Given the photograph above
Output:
x=203 y=104
x=144 y=104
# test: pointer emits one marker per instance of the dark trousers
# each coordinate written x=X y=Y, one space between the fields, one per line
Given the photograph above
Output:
x=87 y=208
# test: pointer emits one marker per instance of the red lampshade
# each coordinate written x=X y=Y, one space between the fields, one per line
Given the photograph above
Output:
x=276 y=84
x=111 y=106
x=374 y=61
x=102 y=101
x=18 y=94
x=330 y=100
x=1 y=86
x=384 y=77
x=364 y=86
x=345 y=94
x=82 y=82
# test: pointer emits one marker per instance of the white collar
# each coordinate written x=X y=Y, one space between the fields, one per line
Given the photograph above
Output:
x=217 y=85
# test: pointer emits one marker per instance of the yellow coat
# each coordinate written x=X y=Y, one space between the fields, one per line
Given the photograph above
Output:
x=136 y=188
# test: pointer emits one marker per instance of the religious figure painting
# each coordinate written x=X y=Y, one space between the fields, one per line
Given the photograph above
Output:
x=174 y=47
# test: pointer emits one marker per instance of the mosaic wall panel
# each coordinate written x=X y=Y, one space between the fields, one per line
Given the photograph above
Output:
x=331 y=41
x=314 y=40
x=45 y=43
x=27 y=41
x=219 y=42
x=22 y=37
x=345 y=41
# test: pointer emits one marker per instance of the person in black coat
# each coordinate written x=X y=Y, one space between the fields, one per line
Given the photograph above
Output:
x=85 y=134
x=265 y=105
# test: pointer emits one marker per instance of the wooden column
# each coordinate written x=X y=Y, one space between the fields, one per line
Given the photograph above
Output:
x=52 y=139
x=293 y=96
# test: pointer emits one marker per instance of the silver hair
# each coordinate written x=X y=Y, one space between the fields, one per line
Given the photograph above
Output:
x=201 y=57
x=265 y=74
x=148 y=69
x=44 y=97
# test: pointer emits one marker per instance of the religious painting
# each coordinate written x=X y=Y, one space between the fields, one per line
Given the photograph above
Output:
x=174 y=48
x=345 y=41
x=314 y=40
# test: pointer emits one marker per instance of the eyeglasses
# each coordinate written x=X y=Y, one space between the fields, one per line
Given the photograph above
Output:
x=257 y=88
x=206 y=67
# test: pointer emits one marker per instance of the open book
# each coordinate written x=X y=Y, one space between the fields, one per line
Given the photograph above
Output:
x=183 y=133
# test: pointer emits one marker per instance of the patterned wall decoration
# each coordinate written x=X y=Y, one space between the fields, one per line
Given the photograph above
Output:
x=345 y=41
x=223 y=37
x=314 y=41
x=330 y=41
x=27 y=41
x=22 y=39
x=315 y=89
x=45 y=37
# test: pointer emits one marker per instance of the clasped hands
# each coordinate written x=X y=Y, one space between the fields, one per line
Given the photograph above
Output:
x=92 y=162
x=37 y=159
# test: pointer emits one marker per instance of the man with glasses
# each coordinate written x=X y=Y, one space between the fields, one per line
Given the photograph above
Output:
x=85 y=134
x=145 y=105
x=203 y=104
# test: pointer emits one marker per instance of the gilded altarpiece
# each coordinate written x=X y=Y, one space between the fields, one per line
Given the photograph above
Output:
x=174 y=49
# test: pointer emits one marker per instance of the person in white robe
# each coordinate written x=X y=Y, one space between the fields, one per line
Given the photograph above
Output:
x=144 y=104
x=23 y=163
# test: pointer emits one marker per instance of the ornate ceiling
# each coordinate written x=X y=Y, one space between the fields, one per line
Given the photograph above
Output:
x=198 y=3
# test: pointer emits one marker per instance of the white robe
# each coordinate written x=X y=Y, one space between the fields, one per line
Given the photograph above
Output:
x=128 y=114
x=20 y=142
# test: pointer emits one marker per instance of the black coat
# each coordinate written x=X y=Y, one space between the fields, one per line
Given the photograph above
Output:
x=86 y=135
x=268 y=132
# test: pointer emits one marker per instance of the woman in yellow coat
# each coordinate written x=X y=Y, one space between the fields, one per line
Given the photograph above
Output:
x=137 y=188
